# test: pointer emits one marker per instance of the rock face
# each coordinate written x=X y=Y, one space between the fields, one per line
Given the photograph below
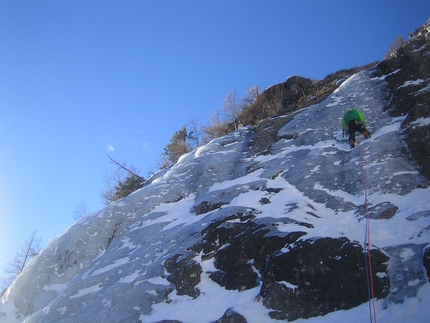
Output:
x=408 y=78
x=276 y=98
x=325 y=275
x=264 y=224
x=299 y=92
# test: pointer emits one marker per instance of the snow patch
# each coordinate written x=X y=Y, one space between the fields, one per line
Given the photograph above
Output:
x=409 y=83
x=87 y=290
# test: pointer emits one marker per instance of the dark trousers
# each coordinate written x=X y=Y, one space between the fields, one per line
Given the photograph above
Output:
x=353 y=127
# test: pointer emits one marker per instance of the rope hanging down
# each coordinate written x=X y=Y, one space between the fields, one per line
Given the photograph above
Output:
x=367 y=256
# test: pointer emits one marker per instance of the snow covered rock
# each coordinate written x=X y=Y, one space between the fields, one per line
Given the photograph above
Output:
x=408 y=78
x=267 y=223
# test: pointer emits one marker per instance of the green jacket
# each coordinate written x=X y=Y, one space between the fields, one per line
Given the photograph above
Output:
x=352 y=114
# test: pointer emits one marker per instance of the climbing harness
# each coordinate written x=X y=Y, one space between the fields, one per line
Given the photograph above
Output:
x=367 y=256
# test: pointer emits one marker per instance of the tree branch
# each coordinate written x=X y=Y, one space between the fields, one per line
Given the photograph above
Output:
x=125 y=168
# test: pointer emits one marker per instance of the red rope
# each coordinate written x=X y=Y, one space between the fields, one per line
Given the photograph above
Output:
x=367 y=241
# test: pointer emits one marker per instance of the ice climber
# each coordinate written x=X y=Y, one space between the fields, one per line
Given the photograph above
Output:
x=353 y=121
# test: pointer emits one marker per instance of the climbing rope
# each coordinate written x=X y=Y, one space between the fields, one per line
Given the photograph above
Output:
x=367 y=256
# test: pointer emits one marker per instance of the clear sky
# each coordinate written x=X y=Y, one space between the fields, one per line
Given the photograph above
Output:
x=82 y=79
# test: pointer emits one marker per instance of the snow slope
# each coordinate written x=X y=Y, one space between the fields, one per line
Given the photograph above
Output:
x=110 y=265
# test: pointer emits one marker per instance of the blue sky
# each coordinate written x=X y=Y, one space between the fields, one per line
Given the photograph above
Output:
x=82 y=79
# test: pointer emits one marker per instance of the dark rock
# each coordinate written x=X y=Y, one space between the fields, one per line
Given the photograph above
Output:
x=418 y=140
x=241 y=249
x=231 y=316
x=266 y=133
x=273 y=190
x=264 y=200
x=205 y=207
x=409 y=96
x=275 y=315
x=426 y=262
x=384 y=210
x=238 y=276
x=387 y=213
x=317 y=277
x=276 y=98
x=185 y=274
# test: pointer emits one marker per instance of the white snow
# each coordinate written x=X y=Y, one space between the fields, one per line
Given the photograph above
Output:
x=409 y=83
x=87 y=290
x=419 y=49
x=422 y=122
x=130 y=278
x=406 y=254
x=116 y=263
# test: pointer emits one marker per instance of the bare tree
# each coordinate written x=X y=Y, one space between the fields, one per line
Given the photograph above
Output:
x=217 y=127
x=232 y=109
x=395 y=46
x=80 y=210
x=119 y=185
x=251 y=110
x=28 y=251
x=252 y=95
x=110 y=180
x=193 y=133
x=123 y=166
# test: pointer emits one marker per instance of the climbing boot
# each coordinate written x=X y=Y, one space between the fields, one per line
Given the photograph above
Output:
x=366 y=135
x=351 y=144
